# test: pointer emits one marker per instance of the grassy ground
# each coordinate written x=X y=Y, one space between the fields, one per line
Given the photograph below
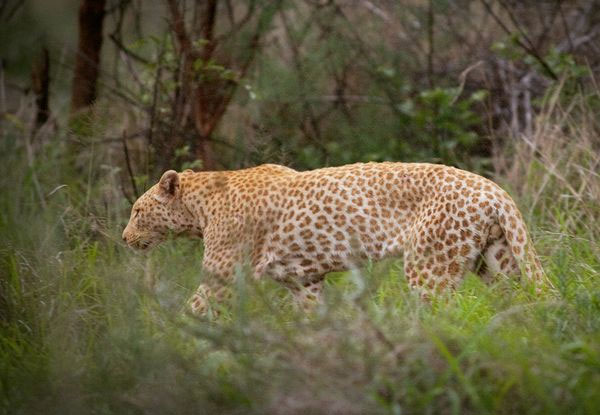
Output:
x=87 y=326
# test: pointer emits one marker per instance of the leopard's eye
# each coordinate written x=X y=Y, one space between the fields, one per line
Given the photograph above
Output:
x=135 y=213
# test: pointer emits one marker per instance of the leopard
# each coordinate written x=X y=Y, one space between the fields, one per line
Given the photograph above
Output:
x=298 y=226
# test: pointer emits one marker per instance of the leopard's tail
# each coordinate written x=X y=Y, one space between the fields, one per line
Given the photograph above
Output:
x=520 y=243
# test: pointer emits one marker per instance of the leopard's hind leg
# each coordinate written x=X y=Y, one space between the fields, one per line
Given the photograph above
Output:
x=436 y=257
x=307 y=295
x=498 y=260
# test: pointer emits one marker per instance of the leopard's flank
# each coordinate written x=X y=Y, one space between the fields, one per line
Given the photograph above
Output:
x=296 y=227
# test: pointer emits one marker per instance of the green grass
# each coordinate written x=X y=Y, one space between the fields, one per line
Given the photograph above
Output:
x=88 y=326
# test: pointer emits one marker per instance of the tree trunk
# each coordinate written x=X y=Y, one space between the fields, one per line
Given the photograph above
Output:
x=40 y=84
x=91 y=17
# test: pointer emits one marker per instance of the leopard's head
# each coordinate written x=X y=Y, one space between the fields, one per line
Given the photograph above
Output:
x=157 y=213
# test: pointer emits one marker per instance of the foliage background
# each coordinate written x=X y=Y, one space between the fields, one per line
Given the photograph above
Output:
x=507 y=89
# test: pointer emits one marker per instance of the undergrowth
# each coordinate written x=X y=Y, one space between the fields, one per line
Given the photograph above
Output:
x=88 y=326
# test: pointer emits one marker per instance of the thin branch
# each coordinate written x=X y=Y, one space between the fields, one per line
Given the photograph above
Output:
x=128 y=164
x=516 y=24
x=367 y=57
x=377 y=11
x=128 y=52
x=133 y=71
x=157 y=78
x=261 y=27
x=178 y=25
x=208 y=29
x=430 y=51
x=316 y=132
x=236 y=27
x=566 y=27
x=230 y=12
x=126 y=195
x=526 y=48
x=11 y=12
x=547 y=27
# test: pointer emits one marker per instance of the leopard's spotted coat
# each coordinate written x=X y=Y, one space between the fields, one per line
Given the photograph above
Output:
x=297 y=226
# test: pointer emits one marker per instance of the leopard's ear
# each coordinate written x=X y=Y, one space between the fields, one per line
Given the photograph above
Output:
x=168 y=186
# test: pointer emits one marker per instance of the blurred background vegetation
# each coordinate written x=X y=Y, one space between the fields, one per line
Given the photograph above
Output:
x=99 y=97
x=223 y=84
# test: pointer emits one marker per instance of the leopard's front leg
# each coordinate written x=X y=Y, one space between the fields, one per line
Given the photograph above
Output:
x=218 y=267
x=307 y=294
x=206 y=297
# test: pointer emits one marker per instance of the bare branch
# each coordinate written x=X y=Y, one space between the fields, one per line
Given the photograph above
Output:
x=10 y=13
x=527 y=48
x=237 y=26
x=208 y=29
x=430 y=51
x=127 y=51
x=178 y=26
x=128 y=164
